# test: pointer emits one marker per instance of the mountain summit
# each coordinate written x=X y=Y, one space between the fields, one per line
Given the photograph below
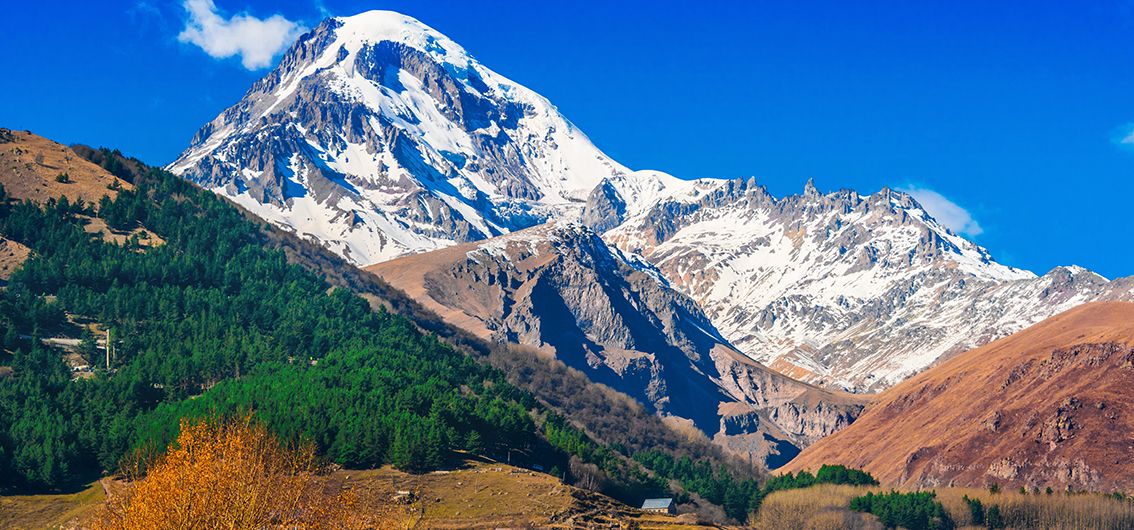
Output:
x=379 y=136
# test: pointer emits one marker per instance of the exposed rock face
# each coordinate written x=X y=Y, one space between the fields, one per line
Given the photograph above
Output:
x=604 y=209
x=562 y=289
x=1046 y=407
x=839 y=288
x=813 y=421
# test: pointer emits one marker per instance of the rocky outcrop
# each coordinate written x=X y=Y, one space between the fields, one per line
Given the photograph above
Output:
x=561 y=289
x=604 y=209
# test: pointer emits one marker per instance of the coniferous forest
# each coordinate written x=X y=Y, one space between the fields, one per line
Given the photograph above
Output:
x=211 y=315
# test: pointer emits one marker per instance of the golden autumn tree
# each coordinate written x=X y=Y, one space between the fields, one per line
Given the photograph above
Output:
x=231 y=475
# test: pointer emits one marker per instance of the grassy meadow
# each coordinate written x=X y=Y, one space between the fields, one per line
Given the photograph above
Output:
x=826 y=506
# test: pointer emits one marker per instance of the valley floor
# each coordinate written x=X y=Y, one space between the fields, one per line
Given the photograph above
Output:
x=485 y=494
x=478 y=495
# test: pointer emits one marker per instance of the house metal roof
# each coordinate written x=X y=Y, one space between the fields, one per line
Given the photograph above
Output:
x=656 y=504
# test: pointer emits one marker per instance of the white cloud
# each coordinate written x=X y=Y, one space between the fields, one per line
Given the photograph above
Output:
x=947 y=212
x=1127 y=137
x=255 y=40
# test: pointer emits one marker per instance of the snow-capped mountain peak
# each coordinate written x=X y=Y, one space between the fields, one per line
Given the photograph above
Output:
x=379 y=136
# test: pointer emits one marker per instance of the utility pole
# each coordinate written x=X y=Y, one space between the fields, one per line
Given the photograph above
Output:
x=108 y=346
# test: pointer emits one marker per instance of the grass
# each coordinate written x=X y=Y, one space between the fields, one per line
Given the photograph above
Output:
x=822 y=507
x=482 y=494
x=479 y=495
x=95 y=225
x=485 y=494
x=49 y=511
x=826 y=507
x=1059 y=511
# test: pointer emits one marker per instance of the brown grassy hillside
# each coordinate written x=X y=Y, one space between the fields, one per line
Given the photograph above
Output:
x=62 y=510
x=37 y=169
x=30 y=168
x=12 y=255
x=1049 y=406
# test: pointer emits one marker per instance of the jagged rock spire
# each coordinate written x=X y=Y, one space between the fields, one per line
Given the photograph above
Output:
x=809 y=189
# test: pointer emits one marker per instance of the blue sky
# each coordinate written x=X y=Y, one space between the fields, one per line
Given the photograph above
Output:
x=1008 y=116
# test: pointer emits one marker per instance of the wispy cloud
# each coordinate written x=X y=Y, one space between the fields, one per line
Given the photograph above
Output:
x=947 y=212
x=255 y=40
x=1125 y=138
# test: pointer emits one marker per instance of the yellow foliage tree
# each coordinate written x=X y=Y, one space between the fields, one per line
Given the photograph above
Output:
x=231 y=475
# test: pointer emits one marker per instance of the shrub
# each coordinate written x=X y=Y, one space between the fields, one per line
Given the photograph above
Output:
x=1057 y=512
x=232 y=474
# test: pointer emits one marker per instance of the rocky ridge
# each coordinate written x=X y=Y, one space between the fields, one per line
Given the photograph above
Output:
x=842 y=289
x=562 y=290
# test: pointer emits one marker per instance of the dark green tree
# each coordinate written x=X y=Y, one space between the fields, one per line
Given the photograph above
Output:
x=976 y=510
x=993 y=518
x=474 y=443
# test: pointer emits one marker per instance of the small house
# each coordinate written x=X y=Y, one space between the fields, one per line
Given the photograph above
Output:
x=658 y=506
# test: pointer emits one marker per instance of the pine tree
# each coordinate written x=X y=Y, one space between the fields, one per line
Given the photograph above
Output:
x=473 y=443
x=976 y=510
x=87 y=345
x=401 y=455
x=11 y=338
x=435 y=447
x=993 y=518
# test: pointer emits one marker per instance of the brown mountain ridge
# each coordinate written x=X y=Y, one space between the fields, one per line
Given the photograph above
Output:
x=1050 y=406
